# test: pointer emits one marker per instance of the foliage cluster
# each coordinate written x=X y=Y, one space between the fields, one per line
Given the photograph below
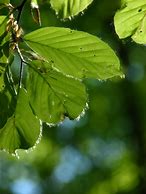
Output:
x=52 y=64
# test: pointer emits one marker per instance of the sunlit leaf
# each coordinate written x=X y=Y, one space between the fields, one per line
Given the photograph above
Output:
x=2 y=17
x=75 y=53
x=22 y=128
x=69 y=8
x=4 y=1
x=140 y=34
x=4 y=40
x=130 y=20
x=53 y=95
x=4 y=49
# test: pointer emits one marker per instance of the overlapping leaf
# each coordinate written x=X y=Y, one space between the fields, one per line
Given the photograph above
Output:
x=6 y=102
x=53 y=83
x=4 y=1
x=2 y=17
x=53 y=95
x=22 y=128
x=130 y=20
x=4 y=49
x=2 y=71
x=75 y=53
x=69 y=8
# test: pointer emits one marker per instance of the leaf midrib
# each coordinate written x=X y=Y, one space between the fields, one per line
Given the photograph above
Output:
x=72 y=54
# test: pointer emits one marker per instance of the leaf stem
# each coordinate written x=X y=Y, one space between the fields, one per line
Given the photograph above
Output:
x=21 y=68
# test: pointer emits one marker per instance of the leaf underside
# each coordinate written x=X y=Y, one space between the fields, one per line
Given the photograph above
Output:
x=53 y=84
x=4 y=50
x=131 y=20
x=69 y=8
x=22 y=129
x=53 y=95
x=74 y=53
x=4 y=1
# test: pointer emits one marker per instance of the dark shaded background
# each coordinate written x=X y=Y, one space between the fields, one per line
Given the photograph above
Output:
x=105 y=151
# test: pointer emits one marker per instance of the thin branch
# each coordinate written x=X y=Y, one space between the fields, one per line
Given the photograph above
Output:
x=19 y=52
x=20 y=8
x=20 y=74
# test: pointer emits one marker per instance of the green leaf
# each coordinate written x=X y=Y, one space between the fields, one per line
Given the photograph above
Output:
x=4 y=49
x=140 y=34
x=2 y=18
x=53 y=95
x=2 y=84
x=4 y=41
x=69 y=8
x=130 y=20
x=22 y=129
x=4 y=1
x=6 y=103
x=74 y=53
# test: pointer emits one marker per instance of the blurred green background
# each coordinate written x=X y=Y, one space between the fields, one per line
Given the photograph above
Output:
x=105 y=151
